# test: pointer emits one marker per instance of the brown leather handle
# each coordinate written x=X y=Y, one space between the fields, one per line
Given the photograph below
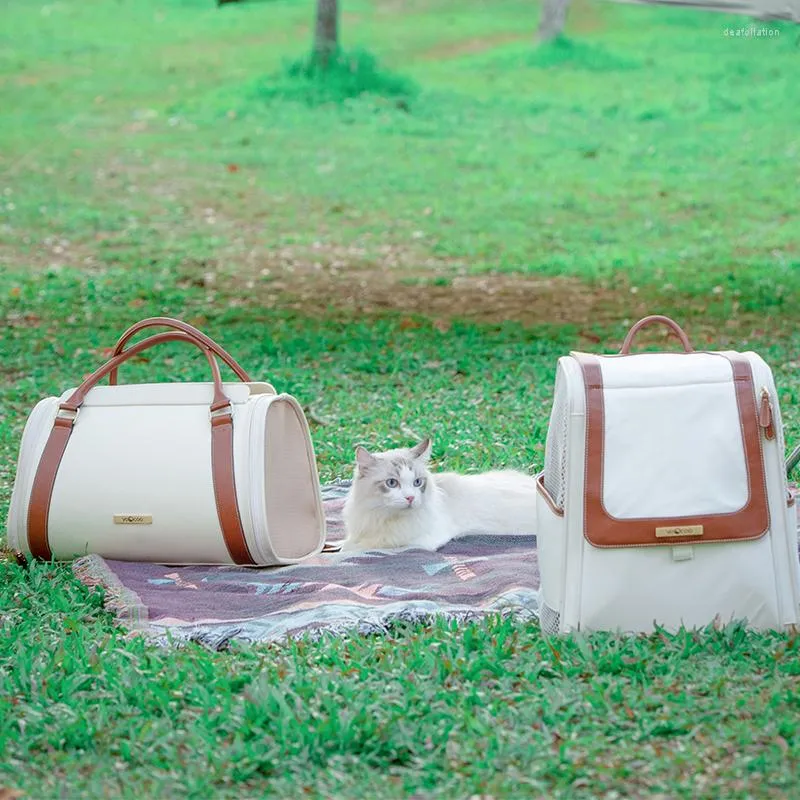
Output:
x=652 y=320
x=75 y=400
x=184 y=327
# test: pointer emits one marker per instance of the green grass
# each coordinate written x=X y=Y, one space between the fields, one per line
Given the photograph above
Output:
x=489 y=709
x=647 y=147
x=347 y=75
x=156 y=158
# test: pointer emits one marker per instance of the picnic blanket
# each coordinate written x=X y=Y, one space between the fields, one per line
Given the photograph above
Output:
x=333 y=592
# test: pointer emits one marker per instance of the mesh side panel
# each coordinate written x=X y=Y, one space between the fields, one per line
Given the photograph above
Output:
x=549 y=619
x=555 y=451
x=781 y=441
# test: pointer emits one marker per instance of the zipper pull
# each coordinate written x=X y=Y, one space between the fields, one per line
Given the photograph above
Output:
x=765 y=415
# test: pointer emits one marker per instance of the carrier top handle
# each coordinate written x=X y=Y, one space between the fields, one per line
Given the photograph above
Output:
x=652 y=320
x=177 y=325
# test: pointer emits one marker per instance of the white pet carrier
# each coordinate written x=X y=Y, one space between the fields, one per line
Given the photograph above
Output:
x=178 y=473
x=663 y=498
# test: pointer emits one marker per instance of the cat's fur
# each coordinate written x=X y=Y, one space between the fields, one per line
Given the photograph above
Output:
x=441 y=506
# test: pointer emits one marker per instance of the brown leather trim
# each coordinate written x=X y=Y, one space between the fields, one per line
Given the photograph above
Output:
x=603 y=530
x=184 y=327
x=548 y=498
x=225 y=488
x=42 y=490
x=221 y=454
x=653 y=319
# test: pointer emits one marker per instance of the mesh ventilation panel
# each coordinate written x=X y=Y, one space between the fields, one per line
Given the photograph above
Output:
x=555 y=451
x=549 y=619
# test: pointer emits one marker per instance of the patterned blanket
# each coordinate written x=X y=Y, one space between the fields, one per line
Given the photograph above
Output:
x=334 y=592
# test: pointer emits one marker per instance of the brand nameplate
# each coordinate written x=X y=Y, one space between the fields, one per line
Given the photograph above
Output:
x=678 y=531
x=133 y=519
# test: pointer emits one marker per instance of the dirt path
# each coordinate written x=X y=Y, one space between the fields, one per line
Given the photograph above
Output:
x=479 y=298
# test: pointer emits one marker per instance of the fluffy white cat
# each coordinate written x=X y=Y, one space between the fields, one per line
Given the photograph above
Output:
x=396 y=502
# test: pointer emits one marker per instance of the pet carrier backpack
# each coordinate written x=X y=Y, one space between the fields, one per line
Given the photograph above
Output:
x=664 y=499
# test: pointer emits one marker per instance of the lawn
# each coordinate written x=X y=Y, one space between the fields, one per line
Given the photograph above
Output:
x=402 y=263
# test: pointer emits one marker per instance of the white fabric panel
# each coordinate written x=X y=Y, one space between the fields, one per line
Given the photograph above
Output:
x=664 y=369
x=673 y=451
x=245 y=444
x=573 y=575
x=161 y=394
x=551 y=543
x=628 y=588
x=116 y=463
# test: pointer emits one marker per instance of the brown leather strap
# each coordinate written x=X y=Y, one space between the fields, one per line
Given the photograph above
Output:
x=653 y=319
x=603 y=530
x=225 y=487
x=221 y=454
x=184 y=327
x=42 y=491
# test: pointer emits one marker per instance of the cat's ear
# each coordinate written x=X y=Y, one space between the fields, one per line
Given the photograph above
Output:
x=364 y=458
x=422 y=450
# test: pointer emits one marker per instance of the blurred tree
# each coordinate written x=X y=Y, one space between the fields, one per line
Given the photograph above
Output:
x=551 y=21
x=326 y=33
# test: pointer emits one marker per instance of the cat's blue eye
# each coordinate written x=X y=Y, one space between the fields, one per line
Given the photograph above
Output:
x=392 y=483
x=417 y=481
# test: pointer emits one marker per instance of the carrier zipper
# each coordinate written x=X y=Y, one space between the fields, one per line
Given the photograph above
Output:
x=765 y=415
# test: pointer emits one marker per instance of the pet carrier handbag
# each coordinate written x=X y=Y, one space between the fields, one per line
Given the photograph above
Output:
x=663 y=499
x=176 y=473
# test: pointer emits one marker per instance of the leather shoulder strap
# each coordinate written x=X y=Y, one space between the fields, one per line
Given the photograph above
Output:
x=42 y=490
x=225 y=487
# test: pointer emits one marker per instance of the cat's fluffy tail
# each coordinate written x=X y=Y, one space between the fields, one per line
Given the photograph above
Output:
x=503 y=501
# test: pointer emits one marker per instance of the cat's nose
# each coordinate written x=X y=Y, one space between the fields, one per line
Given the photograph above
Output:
x=410 y=498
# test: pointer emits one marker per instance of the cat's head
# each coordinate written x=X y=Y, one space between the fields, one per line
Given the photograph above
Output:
x=395 y=480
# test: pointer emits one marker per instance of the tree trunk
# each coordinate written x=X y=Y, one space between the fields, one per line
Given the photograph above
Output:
x=551 y=22
x=326 y=34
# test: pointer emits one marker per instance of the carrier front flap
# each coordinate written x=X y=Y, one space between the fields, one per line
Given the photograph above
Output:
x=673 y=450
